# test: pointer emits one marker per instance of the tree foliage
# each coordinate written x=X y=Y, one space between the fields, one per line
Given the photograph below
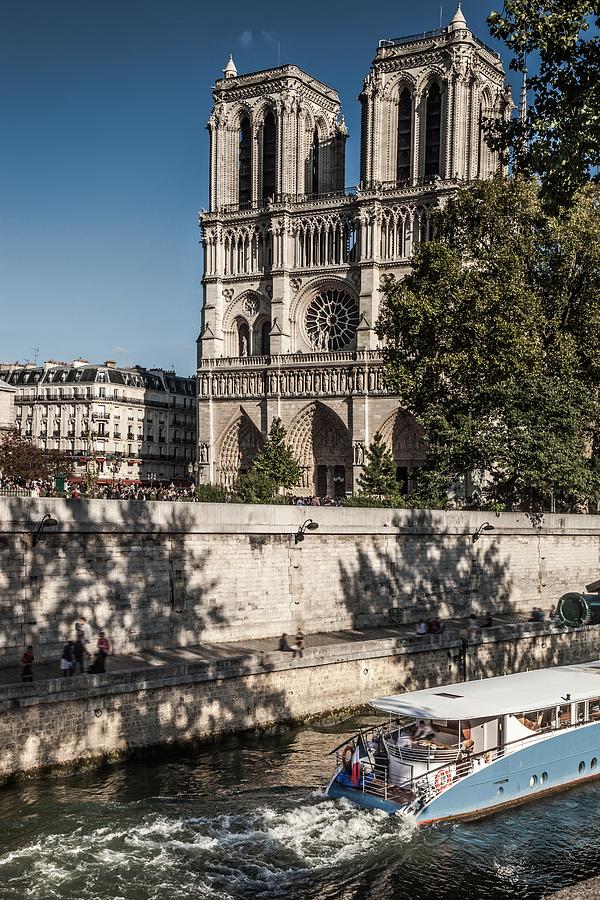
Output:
x=254 y=487
x=560 y=141
x=378 y=477
x=22 y=460
x=493 y=343
x=275 y=461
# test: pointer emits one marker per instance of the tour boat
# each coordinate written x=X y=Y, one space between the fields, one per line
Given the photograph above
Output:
x=467 y=750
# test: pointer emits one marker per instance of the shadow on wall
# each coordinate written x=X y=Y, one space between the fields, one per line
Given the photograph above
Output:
x=126 y=575
x=422 y=571
x=150 y=594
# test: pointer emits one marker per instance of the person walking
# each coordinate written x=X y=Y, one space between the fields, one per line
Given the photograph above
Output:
x=102 y=653
x=27 y=661
x=79 y=654
x=86 y=633
x=66 y=660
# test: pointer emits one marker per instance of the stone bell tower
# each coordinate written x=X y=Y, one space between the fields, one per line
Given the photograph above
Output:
x=294 y=264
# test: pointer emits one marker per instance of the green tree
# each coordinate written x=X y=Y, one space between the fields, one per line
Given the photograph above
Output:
x=493 y=344
x=560 y=141
x=276 y=461
x=255 y=487
x=22 y=460
x=378 y=477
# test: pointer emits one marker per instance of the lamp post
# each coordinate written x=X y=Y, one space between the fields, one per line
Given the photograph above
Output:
x=485 y=527
x=47 y=522
x=308 y=525
x=195 y=471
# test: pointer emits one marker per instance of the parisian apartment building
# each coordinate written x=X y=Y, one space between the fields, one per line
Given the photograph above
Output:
x=294 y=262
x=133 y=425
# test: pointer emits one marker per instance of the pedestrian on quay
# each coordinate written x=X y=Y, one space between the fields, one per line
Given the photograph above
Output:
x=102 y=651
x=79 y=654
x=27 y=661
x=66 y=660
x=83 y=628
x=298 y=648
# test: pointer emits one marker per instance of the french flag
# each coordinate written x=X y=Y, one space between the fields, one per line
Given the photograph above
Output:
x=355 y=766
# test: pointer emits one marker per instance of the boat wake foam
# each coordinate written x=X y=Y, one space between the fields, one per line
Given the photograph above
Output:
x=257 y=853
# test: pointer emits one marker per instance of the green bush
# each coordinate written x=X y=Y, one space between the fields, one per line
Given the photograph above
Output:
x=212 y=493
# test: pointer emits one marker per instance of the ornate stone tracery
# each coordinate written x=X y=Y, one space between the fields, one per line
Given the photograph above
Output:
x=237 y=448
x=331 y=320
x=318 y=437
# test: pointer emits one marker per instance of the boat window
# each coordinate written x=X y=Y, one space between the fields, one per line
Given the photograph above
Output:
x=595 y=708
x=546 y=718
x=529 y=720
x=581 y=712
x=564 y=715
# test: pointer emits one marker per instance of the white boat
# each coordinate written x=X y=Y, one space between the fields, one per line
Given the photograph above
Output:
x=467 y=750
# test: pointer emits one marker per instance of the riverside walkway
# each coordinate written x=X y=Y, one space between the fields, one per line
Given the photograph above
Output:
x=314 y=645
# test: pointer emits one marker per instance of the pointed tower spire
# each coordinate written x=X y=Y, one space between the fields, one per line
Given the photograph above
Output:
x=230 y=70
x=459 y=20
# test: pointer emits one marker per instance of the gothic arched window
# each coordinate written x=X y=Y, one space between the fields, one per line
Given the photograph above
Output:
x=315 y=162
x=433 y=122
x=265 y=339
x=268 y=156
x=404 y=136
x=245 y=163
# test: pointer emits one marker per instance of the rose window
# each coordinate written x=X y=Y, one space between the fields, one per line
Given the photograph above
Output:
x=331 y=320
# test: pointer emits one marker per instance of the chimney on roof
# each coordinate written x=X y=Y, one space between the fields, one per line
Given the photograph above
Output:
x=80 y=362
x=110 y=364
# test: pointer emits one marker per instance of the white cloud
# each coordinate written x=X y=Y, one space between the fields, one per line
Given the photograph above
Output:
x=246 y=38
x=268 y=36
x=120 y=350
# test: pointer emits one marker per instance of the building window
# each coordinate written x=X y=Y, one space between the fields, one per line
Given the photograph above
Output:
x=433 y=121
x=315 y=162
x=268 y=157
x=404 y=136
x=265 y=338
x=245 y=163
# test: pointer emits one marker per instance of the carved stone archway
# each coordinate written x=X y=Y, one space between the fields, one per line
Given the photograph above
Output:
x=404 y=436
x=322 y=446
x=238 y=446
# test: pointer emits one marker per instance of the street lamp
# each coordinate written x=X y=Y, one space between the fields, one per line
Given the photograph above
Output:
x=309 y=525
x=485 y=527
x=195 y=471
x=47 y=522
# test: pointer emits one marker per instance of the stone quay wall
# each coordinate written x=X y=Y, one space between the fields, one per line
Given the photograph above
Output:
x=157 y=574
x=86 y=719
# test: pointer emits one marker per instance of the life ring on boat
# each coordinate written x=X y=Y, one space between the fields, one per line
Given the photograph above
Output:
x=443 y=779
x=347 y=754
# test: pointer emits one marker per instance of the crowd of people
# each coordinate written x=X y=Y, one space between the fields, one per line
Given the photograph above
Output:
x=117 y=490
x=81 y=654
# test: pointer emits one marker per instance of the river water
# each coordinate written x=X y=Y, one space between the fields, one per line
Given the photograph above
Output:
x=248 y=820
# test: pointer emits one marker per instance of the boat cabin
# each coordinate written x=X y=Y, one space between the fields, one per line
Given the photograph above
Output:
x=436 y=736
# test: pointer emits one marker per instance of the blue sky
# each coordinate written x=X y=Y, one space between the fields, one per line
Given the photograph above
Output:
x=103 y=159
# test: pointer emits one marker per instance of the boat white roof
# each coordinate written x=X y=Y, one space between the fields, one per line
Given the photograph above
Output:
x=498 y=696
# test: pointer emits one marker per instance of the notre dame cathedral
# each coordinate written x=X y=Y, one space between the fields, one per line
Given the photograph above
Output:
x=293 y=263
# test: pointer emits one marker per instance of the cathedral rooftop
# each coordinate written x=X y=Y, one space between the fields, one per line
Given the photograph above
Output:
x=231 y=82
x=457 y=26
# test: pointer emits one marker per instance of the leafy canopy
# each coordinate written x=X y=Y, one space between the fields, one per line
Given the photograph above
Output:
x=560 y=142
x=22 y=460
x=493 y=343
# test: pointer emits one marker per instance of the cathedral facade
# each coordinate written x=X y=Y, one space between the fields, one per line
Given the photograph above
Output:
x=293 y=263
